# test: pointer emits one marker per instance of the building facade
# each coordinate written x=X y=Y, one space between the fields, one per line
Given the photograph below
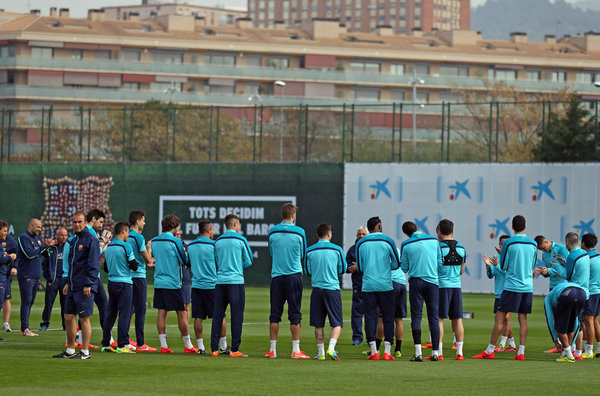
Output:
x=365 y=15
x=67 y=61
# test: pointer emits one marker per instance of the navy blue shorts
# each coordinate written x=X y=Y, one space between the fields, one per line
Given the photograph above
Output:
x=496 y=303
x=568 y=308
x=286 y=288
x=592 y=305
x=399 y=300
x=169 y=299
x=186 y=289
x=326 y=303
x=78 y=304
x=203 y=303
x=450 y=303
x=515 y=302
x=7 y=287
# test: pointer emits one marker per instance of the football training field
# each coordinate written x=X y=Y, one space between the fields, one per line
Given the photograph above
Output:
x=27 y=366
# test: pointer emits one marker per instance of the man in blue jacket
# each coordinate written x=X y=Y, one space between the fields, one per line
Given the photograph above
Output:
x=6 y=259
x=82 y=277
x=29 y=266
x=120 y=263
x=376 y=257
x=52 y=269
x=518 y=259
x=552 y=252
x=358 y=311
x=170 y=258
x=232 y=257
x=287 y=245
x=422 y=261
x=324 y=264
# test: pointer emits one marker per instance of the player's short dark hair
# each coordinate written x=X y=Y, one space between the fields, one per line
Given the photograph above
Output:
x=571 y=238
x=590 y=240
x=203 y=226
x=539 y=239
x=372 y=223
x=503 y=237
x=170 y=222
x=120 y=227
x=3 y=224
x=288 y=210
x=230 y=220
x=323 y=229
x=518 y=223
x=446 y=227
x=409 y=228
x=94 y=213
x=135 y=216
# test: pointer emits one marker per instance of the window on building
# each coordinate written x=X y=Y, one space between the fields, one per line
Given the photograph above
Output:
x=223 y=59
x=454 y=71
x=533 y=75
x=422 y=96
x=130 y=86
x=558 y=76
x=41 y=52
x=448 y=96
x=365 y=93
x=167 y=56
x=397 y=95
x=221 y=89
x=422 y=69
x=253 y=88
x=102 y=55
x=503 y=74
x=397 y=69
x=131 y=54
x=253 y=60
x=584 y=77
x=358 y=66
x=163 y=86
x=7 y=51
x=77 y=54
x=281 y=62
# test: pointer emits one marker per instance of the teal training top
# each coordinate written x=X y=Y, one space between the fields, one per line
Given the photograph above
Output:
x=376 y=257
x=556 y=269
x=287 y=245
x=594 y=272
x=450 y=274
x=550 y=303
x=202 y=257
x=170 y=258
x=578 y=269
x=398 y=275
x=496 y=272
x=324 y=264
x=517 y=260
x=117 y=254
x=232 y=256
x=138 y=245
x=422 y=257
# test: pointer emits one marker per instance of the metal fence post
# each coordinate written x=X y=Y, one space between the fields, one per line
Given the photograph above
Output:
x=596 y=132
x=167 y=133
x=210 y=132
x=2 y=138
x=393 y=128
x=80 y=133
x=49 y=130
x=8 y=150
x=42 y=135
x=352 y=136
x=448 y=134
x=173 y=133
x=490 y=128
x=497 y=127
x=254 y=130
x=306 y=136
x=124 y=133
x=443 y=131
x=300 y=134
x=262 y=110
x=400 y=132
x=343 y=132
x=131 y=134
x=89 y=143
x=218 y=132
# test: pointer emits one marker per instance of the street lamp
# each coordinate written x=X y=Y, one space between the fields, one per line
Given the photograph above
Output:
x=281 y=84
x=597 y=84
x=171 y=90
x=414 y=80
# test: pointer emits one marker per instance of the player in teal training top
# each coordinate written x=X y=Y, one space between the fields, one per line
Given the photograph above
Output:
x=518 y=259
x=552 y=252
x=170 y=257
x=493 y=271
x=591 y=309
x=376 y=258
x=232 y=256
x=324 y=264
x=450 y=304
x=287 y=245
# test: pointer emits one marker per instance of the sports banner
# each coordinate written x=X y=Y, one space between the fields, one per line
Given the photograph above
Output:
x=480 y=199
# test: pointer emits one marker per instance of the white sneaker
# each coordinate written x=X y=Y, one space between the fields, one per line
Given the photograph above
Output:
x=6 y=327
x=130 y=347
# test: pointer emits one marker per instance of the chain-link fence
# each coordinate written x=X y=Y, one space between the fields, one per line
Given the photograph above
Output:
x=158 y=132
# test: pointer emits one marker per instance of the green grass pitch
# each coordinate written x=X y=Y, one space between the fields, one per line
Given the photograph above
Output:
x=27 y=366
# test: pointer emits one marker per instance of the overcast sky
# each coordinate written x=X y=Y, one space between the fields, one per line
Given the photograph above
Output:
x=79 y=7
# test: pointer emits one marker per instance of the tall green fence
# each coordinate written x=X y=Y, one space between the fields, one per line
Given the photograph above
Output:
x=192 y=191
x=158 y=132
